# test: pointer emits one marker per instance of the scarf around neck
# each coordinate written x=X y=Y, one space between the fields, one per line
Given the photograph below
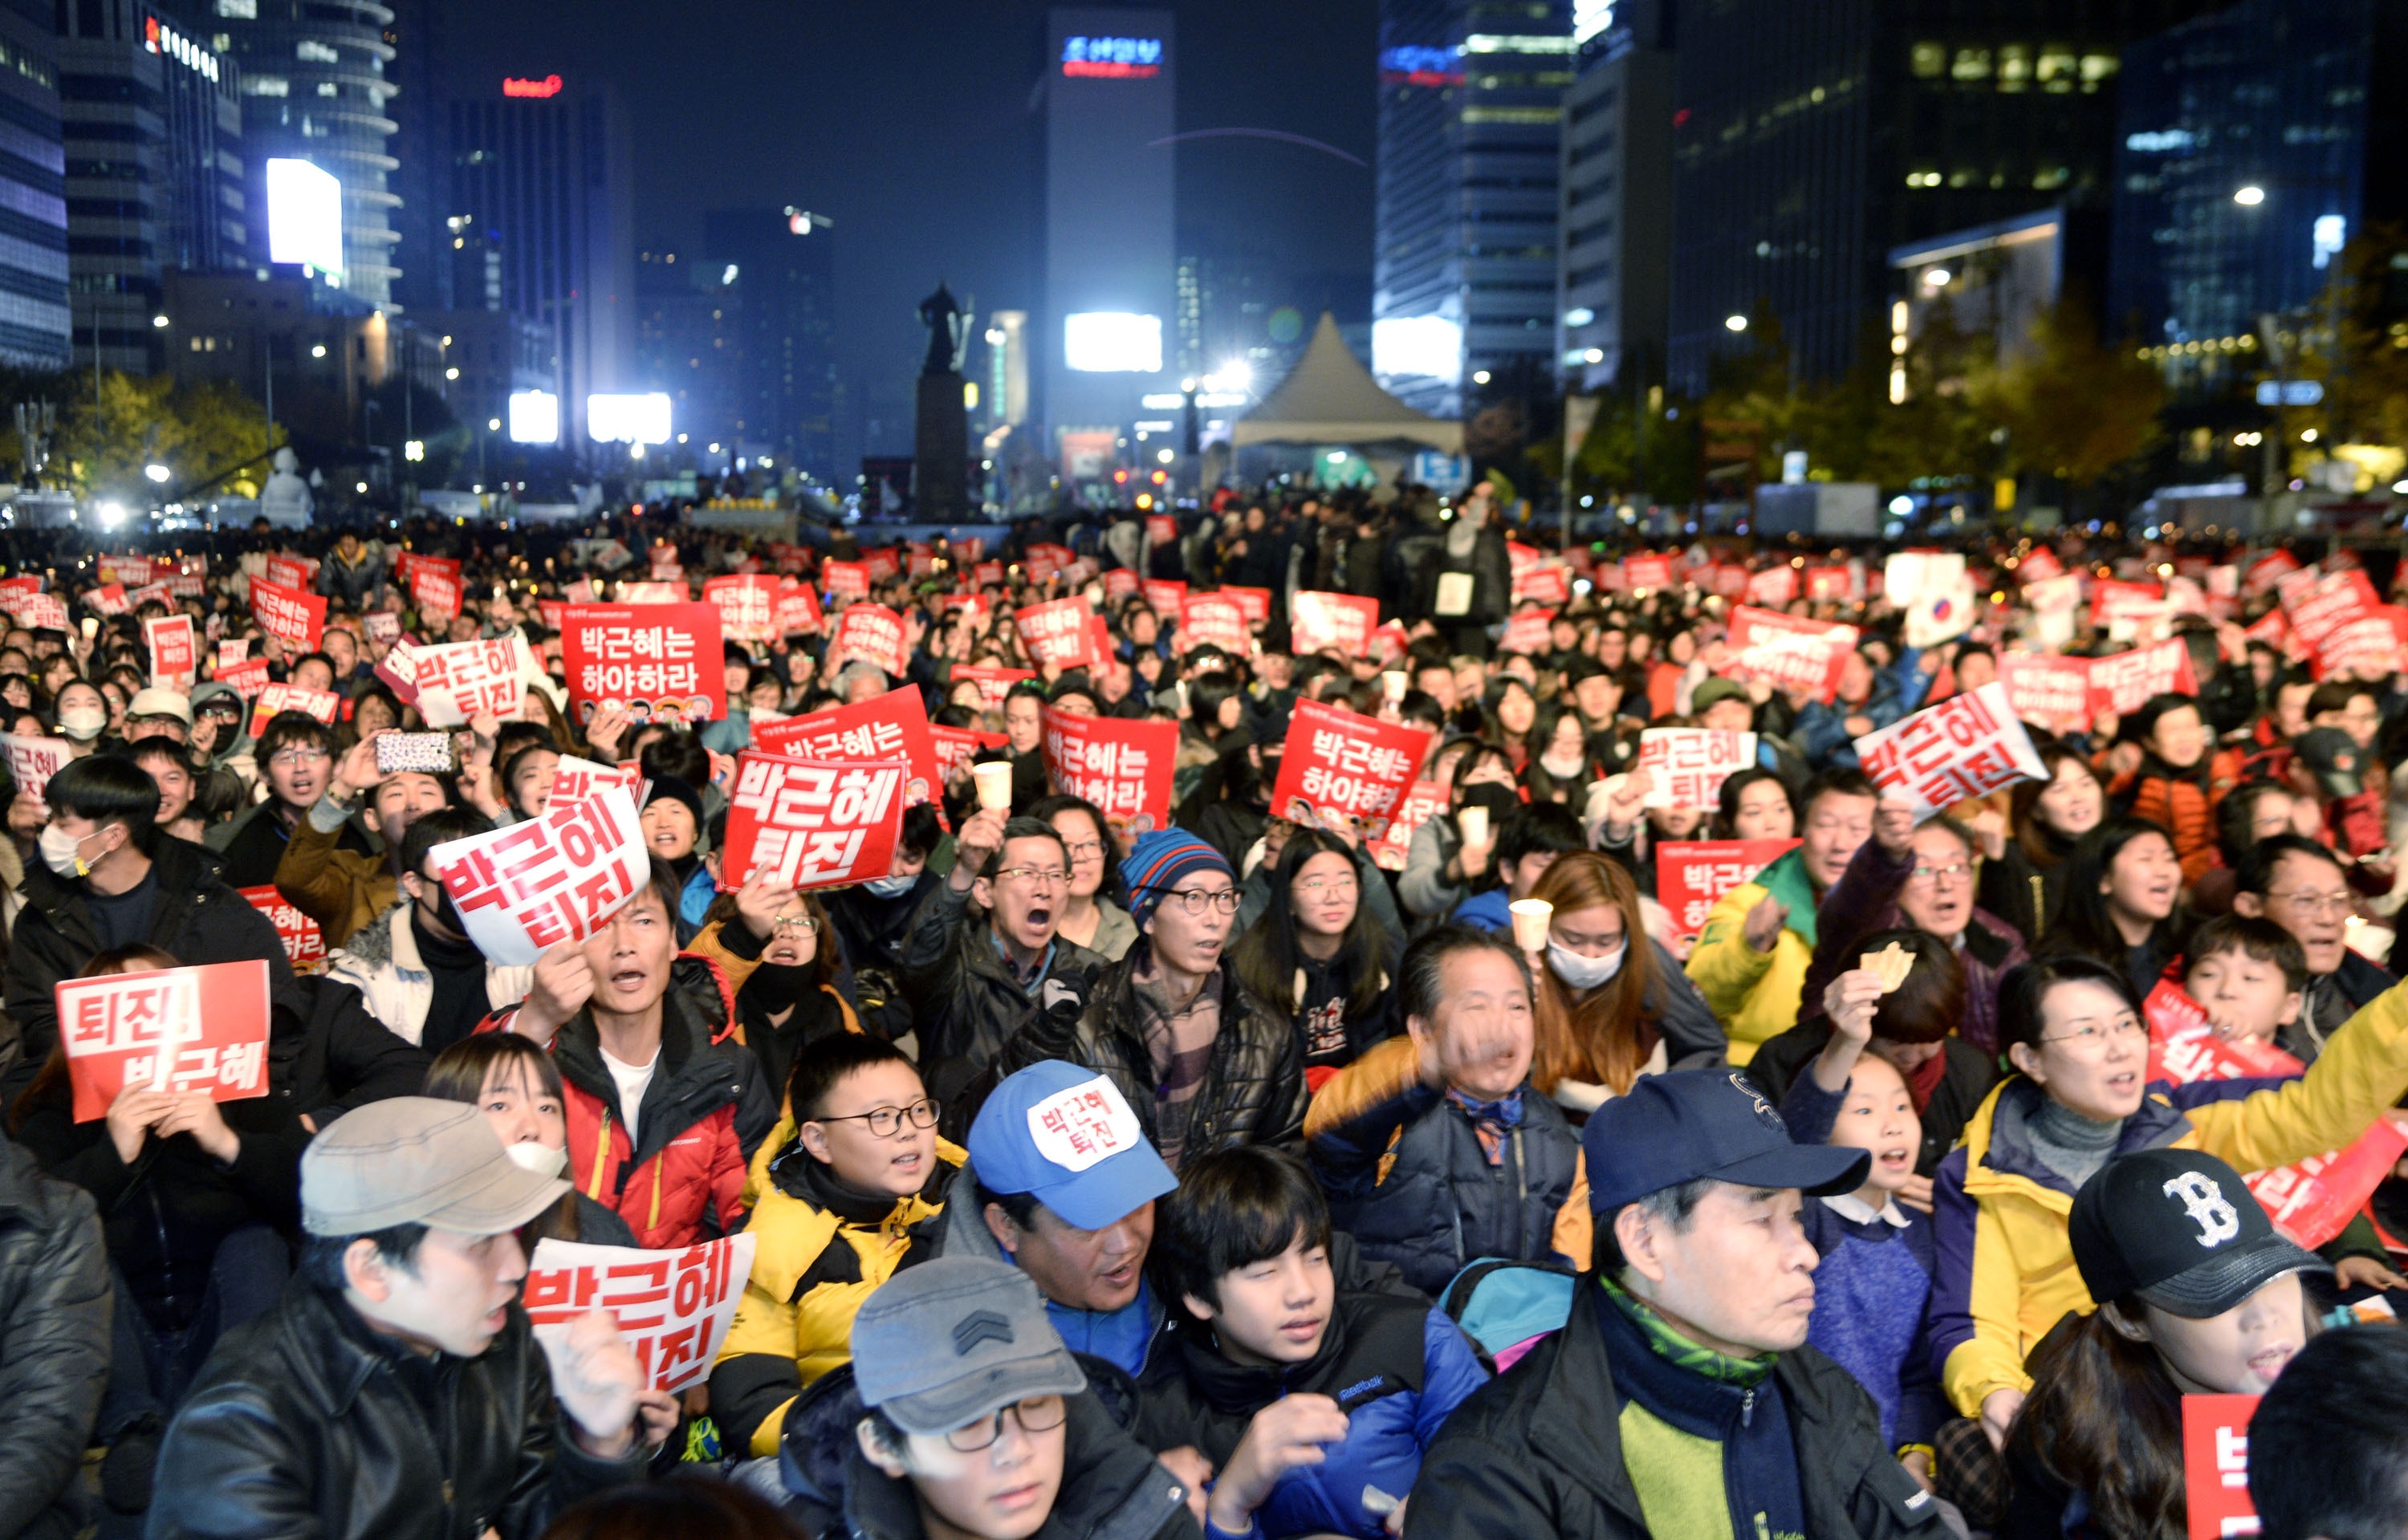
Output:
x=1671 y=1347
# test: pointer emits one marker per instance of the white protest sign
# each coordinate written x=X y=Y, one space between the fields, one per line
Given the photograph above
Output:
x=530 y=886
x=1965 y=747
x=1686 y=766
x=673 y=1307
x=32 y=762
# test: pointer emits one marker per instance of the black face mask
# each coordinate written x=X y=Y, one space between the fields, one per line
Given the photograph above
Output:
x=1498 y=800
x=775 y=986
x=444 y=913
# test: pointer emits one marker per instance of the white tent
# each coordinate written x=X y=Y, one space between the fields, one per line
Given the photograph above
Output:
x=1330 y=398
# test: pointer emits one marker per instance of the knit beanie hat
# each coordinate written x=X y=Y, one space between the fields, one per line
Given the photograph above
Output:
x=673 y=789
x=1159 y=860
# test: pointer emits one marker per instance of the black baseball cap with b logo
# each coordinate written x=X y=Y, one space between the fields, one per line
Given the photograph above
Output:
x=2179 y=1227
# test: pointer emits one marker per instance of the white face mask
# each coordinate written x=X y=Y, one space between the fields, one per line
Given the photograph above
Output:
x=542 y=1160
x=82 y=723
x=891 y=887
x=1585 y=973
x=61 y=852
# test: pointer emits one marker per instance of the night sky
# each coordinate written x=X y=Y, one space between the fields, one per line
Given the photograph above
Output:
x=909 y=122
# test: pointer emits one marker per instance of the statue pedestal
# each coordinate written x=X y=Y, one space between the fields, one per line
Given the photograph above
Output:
x=941 y=450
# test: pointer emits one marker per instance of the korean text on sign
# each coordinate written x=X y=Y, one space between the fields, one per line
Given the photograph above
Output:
x=575 y=780
x=318 y=703
x=1056 y=632
x=1339 y=764
x=893 y=726
x=175 y=653
x=673 y=1307
x=32 y=762
x=461 y=680
x=2215 y=1465
x=1422 y=801
x=663 y=662
x=873 y=634
x=305 y=944
x=1123 y=767
x=1965 y=747
x=289 y=615
x=180 y=1030
x=1686 y=766
x=748 y=607
x=554 y=878
x=1342 y=620
x=1692 y=876
x=1788 y=652
x=814 y=823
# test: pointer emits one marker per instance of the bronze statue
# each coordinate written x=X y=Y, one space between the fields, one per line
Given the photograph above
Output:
x=949 y=330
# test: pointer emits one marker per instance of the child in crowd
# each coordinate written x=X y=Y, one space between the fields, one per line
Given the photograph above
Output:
x=834 y=1220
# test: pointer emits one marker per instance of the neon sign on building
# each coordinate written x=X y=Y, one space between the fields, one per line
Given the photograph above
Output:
x=513 y=86
x=169 y=43
x=1420 y=67
x=1112 y=58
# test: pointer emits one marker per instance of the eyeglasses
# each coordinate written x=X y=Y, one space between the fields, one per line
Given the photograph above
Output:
x=1035 y=876
x=1335 y=887
x=1087 y=849
x=1960 y=872
x=1036 y=1415
x=2093 y=1037
x=293 y=759
x=795 y=924
x=2316 y=904
x=884 y=1121
x=1195 y=900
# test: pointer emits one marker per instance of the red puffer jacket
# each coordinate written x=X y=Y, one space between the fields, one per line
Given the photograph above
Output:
x=704 y=1113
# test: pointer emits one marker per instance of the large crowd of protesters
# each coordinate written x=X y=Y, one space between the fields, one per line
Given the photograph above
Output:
x=1857 y=1208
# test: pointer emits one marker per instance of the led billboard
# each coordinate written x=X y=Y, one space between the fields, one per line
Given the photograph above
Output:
x=1417 y=345
x=305 y=215
x=535 y=417
x=628 y=418
x=1112 y=342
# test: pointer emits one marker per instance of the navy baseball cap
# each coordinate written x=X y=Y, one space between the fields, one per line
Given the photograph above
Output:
x=1067 y=1136
x=1695 y=1123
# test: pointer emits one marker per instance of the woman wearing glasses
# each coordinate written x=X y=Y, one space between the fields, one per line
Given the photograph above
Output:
x=1089 y=916
x=2072 y=1031
x=791 y=999
x=1323 y=951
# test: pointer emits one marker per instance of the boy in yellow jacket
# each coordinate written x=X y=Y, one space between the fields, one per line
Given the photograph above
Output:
x=837 y=1207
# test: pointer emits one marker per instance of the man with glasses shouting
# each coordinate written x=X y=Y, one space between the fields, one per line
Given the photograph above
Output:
x=972 y=985
x=297 y=753
x=2300 y=886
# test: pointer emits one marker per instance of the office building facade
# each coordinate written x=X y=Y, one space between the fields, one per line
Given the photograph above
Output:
x=1107 y=334
x=1809 y=141
x=1464 y=274
x=154 y=173
x=1615 y=249
x=778 y=269
x=34 y=318
x=314 y=84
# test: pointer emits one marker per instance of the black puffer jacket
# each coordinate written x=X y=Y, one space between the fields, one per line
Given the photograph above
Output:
x=53 y=1343
x=966 y=1004
x=302 y=1423
x=199 y=919
x=327 y=1055
x=1254 y=1091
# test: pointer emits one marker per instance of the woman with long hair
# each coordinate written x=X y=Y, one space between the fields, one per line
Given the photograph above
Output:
x=1319 y=956
x=1090 y=918
x=2025 y=883
x=514 y=1083
x=1511 y=712
x=1561 y=769
x=792 y=998
x=2123 y=894
x=1755 y=804
x=1613 y=1005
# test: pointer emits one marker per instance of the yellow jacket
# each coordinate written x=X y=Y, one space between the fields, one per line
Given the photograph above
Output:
x=1754 y=994
x=2005 y=1270
x=811 y=1269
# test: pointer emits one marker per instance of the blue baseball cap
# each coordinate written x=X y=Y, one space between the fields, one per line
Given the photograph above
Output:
x=1067 y=1136
x=1693 y=1123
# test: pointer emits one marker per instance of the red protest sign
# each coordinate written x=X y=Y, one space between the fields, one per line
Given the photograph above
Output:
x=1965 y=747
x=305 y=944
x=153 y=593
x=1686 y=766
x=1214 y=619
x=2039 y=562
x=1692 y=876
x=663 y=662
x=40 y=612
x=2215 y=1465
x=320 y=704
x=1161 y=528
x=2266 y=571
x=1124 y=767
x=816 y=823
x=1521 y=558
x=2184 y=1048
x=1422 y=801
x=2124 y=684
x=1774 y=585
x=2366 y=647
x=1342 y=620
x=2051 y=691
x=1056 y=633
x=1165 y=597
x=529 y=886
x=433 y=591
x=994 y=683
x=1729 y=579
x=175 y=655
x=893 y=726
x=956 y=748
x=1254 y=603
x=1545 y=584
x=873 y=634
x=748 y=607
x=1647 y=572
x=108 y=599
x=132 y=569
x=2314 y=1200
x=798 y=609
x=1529 y=632
x=292 y=616
x=182 y=1030
x=846 y=581
x=1825 y=583
x=673 y=1308
x=1340 y=763
x=2112 y=600
x=32 y=762
x=285 y=569
x=986 y=572
x=881 y=563
x=575 y=780
x=464 y=679
x=1119 y=583
x=1051 y=558
x=247 y=680
x=1788 y=652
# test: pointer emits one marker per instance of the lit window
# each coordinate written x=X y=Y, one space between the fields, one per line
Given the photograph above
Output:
x=2056 y=67
x=2096 y=67
x=1929 y=60
x=245 y=9
x=267 y=85
x=2015 y=67
x=316 y=52
x=1972 y=64
x=328 y=88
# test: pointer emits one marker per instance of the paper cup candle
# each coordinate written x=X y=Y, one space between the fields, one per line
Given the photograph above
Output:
x=1474 y=821
x=1531 y=918
x=994 y=780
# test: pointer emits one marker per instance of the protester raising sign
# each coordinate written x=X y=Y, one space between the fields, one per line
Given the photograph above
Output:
x=1341 y=764
x=893 y=726
x=662 y=662
x=1341 y=620
x=1164 y=596
x=798 y=609
x=1686 y=766
x=32 y=762
x=530 y=886
x=2215 y=1466
x=2124 y=682
x=1214 y=619
x=874 y=635
x=815 y=823
x=434 y=589
x=673 y=1308
x=1529 y=632
x=320 y=704
x=305 y=944
x=2048 y=690
x=1965 y=747
x=1788 y=652
x=847 y=582
x=461 y=680
x=292 y=616
x=182 y=1030
x=1056 y=633
x=1692 y=876
x=1422 y=801
x=174 y=661
x=1124 y=767
x=994 y=683
x=748 y=607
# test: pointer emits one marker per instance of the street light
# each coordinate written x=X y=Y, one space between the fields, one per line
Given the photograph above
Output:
x=157 y=472
x=2250 y=196
x=1735 y=323
x=318 y=351
x=158 y=320
x=414 y=450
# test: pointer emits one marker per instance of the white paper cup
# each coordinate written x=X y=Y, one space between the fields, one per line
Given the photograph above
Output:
x=994 y=780
x=1531 y=918
x=1392 y=683
x=1473 y=823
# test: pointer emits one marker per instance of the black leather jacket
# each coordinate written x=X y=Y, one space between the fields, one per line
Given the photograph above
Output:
x=305 y=1422
x=53 y=1342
